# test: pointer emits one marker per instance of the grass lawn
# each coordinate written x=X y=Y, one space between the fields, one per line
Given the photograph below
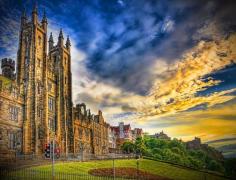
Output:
x=154 y=167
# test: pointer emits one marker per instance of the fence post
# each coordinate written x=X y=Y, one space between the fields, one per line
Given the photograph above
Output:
x=114 y=173
x=137 y=168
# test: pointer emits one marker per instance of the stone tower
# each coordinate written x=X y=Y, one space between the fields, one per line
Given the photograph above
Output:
x=8 y=68
x=45 y=81
x=60 y=91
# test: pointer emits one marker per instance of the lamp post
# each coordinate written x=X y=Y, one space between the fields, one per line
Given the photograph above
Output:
x=113 y=164
x=137 y=163
x=137 y=168
x=53 y=149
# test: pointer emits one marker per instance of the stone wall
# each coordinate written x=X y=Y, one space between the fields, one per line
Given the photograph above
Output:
x=11 y=119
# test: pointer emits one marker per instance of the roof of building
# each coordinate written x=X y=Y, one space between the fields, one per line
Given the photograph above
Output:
x=138 y=130
x=5 y=81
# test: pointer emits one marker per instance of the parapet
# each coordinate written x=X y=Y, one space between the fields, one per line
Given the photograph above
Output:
x=8 y=68
x=8 y=62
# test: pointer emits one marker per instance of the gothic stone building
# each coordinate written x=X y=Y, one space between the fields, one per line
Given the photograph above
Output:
x=36 y=102
x=42 y=108
x=90 y=131
x=45 y=80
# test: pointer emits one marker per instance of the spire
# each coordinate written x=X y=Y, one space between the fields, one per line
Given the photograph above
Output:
x=61 y=39
x=35 y=10
x=51 y=38
x=51 y=42
x=23 y=15
x=35 y=14
x=68 y=42
x=44 y=16
x=61 y=34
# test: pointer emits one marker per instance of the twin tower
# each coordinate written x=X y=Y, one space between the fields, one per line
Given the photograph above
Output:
x=44 y=78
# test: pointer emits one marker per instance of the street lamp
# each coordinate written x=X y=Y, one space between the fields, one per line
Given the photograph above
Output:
x=53 y=147
x=137 y=163
x=113 y=164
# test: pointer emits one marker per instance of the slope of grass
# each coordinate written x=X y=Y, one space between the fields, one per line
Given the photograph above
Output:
x=154 y=167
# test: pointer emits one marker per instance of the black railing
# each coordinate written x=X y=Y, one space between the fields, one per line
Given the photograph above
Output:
x=25 y=174
x=22 y=171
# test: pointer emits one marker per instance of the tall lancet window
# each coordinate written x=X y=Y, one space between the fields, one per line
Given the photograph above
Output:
x=39 y=40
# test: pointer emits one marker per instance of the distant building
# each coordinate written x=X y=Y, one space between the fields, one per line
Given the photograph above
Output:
x=161 y=135
x=137 y=132
x=111 y=137
x=194 y=144
x=125 y=133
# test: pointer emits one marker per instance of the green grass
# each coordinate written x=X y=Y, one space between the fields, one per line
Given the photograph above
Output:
x=154 y=167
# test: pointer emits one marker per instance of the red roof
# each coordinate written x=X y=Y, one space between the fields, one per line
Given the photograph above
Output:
x=127 y=128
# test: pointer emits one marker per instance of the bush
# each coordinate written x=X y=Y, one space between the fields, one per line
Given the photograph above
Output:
x=157 y=151
x=230 y=167
x=128 y=147
x=148 y=152
x=194 y=162
x=215 y=166
x=174 y=151
x=168 y=155
x=158 y=156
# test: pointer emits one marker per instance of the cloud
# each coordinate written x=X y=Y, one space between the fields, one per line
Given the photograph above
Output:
x=9 y=35
x=207 y=124
x=126 y=46
x=185 y=79
x=175 y=89
x=222 y=140
x=153 y=64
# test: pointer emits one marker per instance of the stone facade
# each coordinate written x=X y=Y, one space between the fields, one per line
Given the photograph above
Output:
x=45 y=80
x=90 y=131
x=11 y=118
x=43 y=106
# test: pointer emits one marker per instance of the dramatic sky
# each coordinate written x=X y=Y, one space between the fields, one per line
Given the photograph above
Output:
x=156 y=64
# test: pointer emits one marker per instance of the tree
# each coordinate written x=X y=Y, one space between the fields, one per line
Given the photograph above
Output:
x=139 y=145
x=127 y=147
x=215 y=166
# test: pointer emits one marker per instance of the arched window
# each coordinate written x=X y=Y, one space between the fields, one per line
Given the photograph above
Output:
x=39 y=41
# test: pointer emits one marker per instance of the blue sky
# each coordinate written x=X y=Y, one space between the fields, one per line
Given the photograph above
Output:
x=150 y=63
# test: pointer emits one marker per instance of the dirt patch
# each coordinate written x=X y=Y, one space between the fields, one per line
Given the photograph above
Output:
x=125 y=172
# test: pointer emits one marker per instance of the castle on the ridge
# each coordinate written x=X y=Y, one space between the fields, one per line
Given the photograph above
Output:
x=36 y=102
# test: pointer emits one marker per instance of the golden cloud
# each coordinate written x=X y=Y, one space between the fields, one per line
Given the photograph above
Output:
x=173 y=92
x=178 y=91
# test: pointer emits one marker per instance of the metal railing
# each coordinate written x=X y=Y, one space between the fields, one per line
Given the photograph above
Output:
x=25 y=174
